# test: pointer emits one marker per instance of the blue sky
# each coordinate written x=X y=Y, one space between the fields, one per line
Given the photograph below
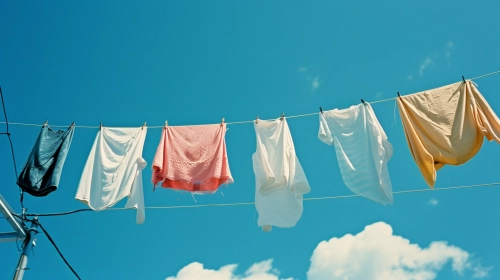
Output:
x=195 y=62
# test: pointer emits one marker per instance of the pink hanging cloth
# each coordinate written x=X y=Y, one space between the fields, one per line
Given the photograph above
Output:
x=192 y=158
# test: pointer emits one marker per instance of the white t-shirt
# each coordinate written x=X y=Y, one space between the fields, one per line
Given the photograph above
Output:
x=280 y=180
x=362 y=150
x=114 y=170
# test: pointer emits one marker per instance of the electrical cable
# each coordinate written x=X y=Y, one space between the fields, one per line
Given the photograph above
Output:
x=57 y=249
x=11 y=146
x=59 y=214
x=252 y=203
x=244 y=122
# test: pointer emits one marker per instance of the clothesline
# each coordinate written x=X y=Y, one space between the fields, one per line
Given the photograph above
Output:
x=240 y=122
x=252 y=203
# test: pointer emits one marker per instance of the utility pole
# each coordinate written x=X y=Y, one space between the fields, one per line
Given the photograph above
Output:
x=20 y=233
x=23 y=260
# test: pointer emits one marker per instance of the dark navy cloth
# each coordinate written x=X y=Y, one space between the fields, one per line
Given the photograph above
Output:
x=41 y=174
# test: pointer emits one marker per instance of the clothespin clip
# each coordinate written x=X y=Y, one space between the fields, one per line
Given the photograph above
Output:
x=321 y=110
x=399 y=95
x=362 y=101
x=72 y=124
x=282 y=116
x=257 y=119
x=222 y=121
x=45 y=123
x=166 y=123
x=463 y=79
x=143 y=126
x=100 y=126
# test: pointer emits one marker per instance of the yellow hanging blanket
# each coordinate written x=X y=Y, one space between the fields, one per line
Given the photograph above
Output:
x=446 y=125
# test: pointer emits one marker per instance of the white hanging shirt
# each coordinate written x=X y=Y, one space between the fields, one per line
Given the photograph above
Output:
x=114 y=170
x=362 y=150
x=280 y=180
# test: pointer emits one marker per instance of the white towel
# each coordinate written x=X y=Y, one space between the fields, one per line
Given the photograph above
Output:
x=114 y=170
x=362 y=150
x=280 y=180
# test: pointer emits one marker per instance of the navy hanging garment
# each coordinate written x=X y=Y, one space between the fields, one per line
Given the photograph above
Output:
x=40 y=176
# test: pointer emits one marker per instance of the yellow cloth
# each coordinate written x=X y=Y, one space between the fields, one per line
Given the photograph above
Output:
x=446 y=125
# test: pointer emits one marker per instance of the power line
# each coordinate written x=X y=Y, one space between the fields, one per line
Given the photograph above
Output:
x=252 y=203
x=249 y=121
x=58 y=251
x=11 y=146
x=59 y=214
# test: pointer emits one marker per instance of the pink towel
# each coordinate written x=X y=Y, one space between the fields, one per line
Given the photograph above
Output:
x=192 y=158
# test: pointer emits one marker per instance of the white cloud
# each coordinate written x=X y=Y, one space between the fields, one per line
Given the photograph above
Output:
x=258 y=271
x=375 y=253
x=315 y=83
x=427 y=62
x=481 y=272
x=432 y=202
x=449 y=47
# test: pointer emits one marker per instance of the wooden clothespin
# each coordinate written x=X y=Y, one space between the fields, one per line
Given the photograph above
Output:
x=321 y=110
x=143 y=126
x=282 y=116
x=45 y=123
x=166 y=123
x=222 y=121
x=257 y=119
x=72 y=124
x=100 y=126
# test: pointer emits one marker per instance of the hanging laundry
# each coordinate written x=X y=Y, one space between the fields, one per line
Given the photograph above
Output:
x=362 y=150
x=114 y=170
x=42 y=172
x=446 y=125
x=192 y=158
x=280 y=180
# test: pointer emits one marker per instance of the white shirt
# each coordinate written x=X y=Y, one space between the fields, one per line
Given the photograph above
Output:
x=362 y=150
x=114 y=170
x=280 y=180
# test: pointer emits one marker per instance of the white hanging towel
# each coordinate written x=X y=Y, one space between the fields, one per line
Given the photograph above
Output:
x=280 y=180
x=114 y=170
x=362 y=150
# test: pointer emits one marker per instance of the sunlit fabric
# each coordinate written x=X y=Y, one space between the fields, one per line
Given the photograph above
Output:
x=114 y=170
x=362 y=149
x=446 y=125
x=280 y=180
x=192 y=158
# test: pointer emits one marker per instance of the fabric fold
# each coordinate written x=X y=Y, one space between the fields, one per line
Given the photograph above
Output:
x=362 y=150
x=280 y=180
x=192 y=158
x=42 y=171
x=446 y=125
x=114 y=170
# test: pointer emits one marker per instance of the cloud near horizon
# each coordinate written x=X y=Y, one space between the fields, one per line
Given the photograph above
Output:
x=374 y=253
x=258 y=271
